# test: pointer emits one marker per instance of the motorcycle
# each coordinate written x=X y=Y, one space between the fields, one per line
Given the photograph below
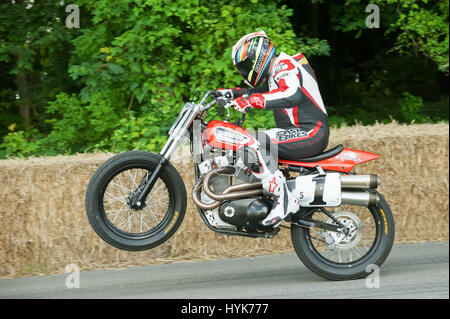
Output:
x=137 y=200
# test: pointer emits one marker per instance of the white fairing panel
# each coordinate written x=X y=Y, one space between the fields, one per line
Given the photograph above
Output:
x=319 y=190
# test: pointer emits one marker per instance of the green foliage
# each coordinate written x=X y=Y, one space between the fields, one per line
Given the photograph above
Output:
x=421 y=26
x=33 y=56
x=77 y=126
x=411 y=106
x=144 y=133
x=349 y=17
x=372 y=81
x=424 y=29
x=259 y=119
x=119 y=81
x=139 y=61
x=19 y=144
x=337 y=121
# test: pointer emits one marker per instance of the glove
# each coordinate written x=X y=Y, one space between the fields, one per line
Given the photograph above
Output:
x=257 y=101
x=241 y=104
x=226 y=93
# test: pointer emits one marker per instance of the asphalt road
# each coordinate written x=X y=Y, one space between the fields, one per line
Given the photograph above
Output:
x=411 y=271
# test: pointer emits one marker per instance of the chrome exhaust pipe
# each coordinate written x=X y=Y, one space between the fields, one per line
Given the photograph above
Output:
x=252 y=189
x=359 y=198
x=197 y=201
x=230 y=193
x=360 y=181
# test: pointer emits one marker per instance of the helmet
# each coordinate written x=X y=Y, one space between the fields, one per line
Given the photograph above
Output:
x=252 y=55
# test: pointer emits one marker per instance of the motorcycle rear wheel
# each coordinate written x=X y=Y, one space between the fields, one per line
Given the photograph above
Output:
x=115 y=221
x=344 y=261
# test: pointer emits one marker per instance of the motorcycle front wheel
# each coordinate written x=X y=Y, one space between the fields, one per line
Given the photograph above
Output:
x=108 y=206
x=335 y=256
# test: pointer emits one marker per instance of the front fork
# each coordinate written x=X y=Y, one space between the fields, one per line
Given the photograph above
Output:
x=136 y=200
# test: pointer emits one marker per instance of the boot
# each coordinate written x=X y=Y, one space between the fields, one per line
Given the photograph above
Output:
x=285 y=202
x=274 y=184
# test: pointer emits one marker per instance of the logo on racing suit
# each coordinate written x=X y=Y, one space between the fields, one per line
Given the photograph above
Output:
x=257 y=100
x=290 y=134
x=302 y=61
x=279 y=68
x=272 y=185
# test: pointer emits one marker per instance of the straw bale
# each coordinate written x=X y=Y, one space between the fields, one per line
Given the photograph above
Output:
x=43 y=224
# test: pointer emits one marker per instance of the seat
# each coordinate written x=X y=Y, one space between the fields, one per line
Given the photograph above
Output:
x=322 y=156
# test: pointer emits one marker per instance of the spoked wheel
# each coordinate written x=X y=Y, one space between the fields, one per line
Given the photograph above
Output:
x=339 y=256
x=122 y=215
x=126 y=224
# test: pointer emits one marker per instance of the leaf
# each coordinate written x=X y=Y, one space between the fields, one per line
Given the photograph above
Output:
x=115 y=69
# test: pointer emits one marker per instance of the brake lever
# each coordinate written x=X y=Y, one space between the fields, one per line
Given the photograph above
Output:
x=224 y=102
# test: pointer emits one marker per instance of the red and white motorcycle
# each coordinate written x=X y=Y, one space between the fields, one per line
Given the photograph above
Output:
x=137 y=200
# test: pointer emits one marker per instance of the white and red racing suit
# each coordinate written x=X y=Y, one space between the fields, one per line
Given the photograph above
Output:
x=292 y=93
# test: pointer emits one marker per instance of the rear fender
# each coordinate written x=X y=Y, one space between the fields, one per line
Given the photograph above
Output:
x=342 y=162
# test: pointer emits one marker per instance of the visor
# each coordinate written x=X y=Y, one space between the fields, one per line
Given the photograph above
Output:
x=244 y=67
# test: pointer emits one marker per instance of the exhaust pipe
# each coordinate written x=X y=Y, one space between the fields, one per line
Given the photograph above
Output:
x=197 y=200
x=359 y=198
x=360 y=181
x=252 y=189
x=230 y=193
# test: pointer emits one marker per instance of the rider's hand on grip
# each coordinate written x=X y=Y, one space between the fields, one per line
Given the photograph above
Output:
x=226 y=93
x=224 y=102
x=241 y=104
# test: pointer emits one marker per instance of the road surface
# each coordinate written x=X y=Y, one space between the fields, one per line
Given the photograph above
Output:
x=411 y=271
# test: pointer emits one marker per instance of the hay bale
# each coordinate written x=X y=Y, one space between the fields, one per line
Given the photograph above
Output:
x=44 y=226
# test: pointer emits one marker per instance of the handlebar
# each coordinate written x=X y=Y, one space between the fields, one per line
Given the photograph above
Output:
x=224 y=102
x=207 y=94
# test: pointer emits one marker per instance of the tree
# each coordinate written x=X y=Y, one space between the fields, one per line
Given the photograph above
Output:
x=118 y=81
x=34 y=46
x=424 y=29
x=149 y=57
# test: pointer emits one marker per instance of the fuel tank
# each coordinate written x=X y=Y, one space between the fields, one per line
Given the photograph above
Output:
x=227 y=136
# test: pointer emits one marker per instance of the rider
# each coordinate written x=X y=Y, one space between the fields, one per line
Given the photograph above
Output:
x=288 y=87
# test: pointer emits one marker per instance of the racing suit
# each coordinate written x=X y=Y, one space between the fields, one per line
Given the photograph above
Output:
x=292 y=93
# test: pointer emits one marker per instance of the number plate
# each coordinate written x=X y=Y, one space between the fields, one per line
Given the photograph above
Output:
x=319 y=190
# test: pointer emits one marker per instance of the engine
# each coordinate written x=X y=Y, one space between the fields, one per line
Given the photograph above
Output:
x=246 y=213
x=230 y=196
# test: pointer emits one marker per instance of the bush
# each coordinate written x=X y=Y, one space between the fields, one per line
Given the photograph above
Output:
x=410 y=106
